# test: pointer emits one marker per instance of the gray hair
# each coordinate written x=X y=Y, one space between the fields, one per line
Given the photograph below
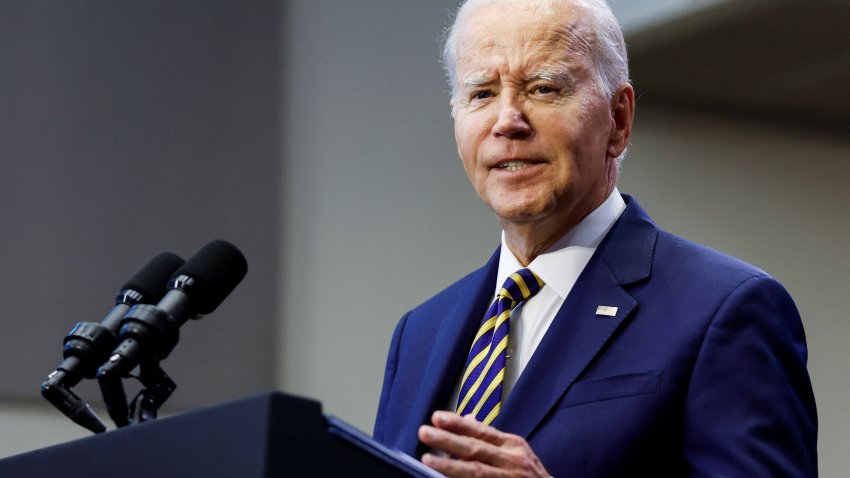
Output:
x=608 y=52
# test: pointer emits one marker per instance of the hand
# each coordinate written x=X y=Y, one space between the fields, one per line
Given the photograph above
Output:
x=478 y=450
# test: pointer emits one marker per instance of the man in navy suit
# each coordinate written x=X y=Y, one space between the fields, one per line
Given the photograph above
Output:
x=642 y=354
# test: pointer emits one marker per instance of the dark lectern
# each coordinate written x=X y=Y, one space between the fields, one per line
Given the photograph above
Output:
x=270 y=435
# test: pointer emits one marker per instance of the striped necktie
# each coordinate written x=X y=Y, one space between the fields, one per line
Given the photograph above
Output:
x=481 y=389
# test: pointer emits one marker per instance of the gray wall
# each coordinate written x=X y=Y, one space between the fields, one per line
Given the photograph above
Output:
x=126 y=129
x=376 y=215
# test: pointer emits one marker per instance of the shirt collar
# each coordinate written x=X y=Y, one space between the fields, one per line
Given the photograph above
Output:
x=560 y=265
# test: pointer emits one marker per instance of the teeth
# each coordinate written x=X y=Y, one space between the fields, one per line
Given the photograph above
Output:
x=513 y=165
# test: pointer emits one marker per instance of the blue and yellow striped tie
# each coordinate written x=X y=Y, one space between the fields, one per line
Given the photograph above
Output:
x=481 y=389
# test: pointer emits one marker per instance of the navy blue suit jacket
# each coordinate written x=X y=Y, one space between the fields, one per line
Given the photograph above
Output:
x=702 y=372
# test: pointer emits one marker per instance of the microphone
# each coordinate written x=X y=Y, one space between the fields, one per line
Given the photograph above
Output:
x=88 y=344
x=150 y=332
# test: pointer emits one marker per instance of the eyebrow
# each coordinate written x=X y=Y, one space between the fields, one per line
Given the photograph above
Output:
x=476 y=81
x=559 y=75
x=548 y=75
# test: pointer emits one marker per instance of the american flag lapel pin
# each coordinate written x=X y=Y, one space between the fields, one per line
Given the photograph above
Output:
x=606 y=311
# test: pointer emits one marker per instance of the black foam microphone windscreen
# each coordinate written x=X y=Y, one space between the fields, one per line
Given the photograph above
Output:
x=152 y=280
x=216 y=270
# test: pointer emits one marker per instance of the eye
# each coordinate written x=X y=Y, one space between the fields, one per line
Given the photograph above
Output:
x=543 y=90
x=482 y=95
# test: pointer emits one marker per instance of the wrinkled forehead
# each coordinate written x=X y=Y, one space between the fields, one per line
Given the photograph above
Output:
x=519 y=36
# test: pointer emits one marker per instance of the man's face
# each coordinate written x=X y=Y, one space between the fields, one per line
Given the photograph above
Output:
x=532 y=129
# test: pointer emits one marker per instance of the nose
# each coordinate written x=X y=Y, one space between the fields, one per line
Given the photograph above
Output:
x=512 y=122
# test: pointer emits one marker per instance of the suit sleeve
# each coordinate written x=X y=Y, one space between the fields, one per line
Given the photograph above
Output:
x=750 y=410
x=389 y=379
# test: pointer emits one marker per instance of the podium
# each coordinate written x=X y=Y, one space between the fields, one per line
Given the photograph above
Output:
x=266 y=436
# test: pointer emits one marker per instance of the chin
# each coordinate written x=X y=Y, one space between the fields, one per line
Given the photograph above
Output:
x=519 y=213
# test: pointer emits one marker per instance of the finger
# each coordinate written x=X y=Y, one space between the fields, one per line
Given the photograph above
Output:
x=468 y=426
x=460 y=469
x=455 y=445
x=462 y=447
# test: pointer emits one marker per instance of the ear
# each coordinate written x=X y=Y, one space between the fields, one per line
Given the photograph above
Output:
x=622 y=115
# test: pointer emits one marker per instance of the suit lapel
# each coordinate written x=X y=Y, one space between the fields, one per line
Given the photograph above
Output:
x=450 y=349
x=578 y=334
x=575 y=337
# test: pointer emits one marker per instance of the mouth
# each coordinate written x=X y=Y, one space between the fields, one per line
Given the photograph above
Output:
x=514 y=165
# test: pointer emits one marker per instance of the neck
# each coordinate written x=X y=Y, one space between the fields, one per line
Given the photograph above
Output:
x=527 y=240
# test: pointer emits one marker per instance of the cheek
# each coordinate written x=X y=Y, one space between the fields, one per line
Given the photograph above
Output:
x=572 y=136
x=468 y=142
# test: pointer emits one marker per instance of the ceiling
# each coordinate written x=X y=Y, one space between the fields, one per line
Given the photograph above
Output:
x=782 y=61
